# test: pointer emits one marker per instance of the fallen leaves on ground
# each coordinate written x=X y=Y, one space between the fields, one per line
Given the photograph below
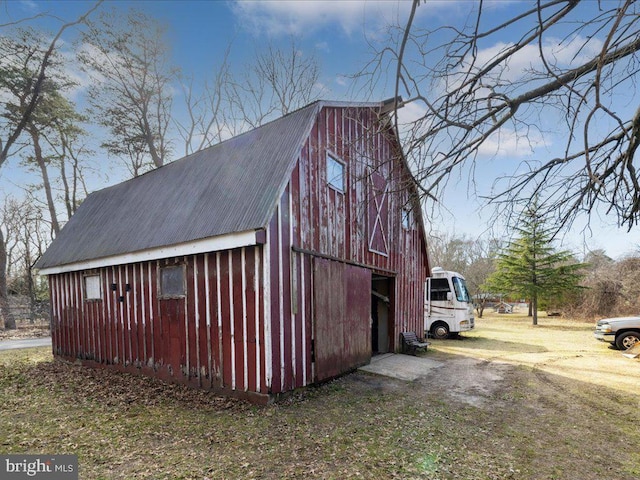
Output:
x=523 y=424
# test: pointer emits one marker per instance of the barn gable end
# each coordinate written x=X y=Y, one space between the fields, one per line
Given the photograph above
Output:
x=326 y=270
x=331 y=247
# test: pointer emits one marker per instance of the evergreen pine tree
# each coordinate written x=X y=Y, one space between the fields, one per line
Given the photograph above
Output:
x=531 y=268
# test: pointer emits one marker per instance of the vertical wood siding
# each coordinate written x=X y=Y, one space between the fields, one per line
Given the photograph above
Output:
x=313 y=220
x=211 y=337
x=246 y=323
x=343 y=225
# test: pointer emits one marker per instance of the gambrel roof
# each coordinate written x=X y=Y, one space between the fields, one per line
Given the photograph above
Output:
x=230 y=187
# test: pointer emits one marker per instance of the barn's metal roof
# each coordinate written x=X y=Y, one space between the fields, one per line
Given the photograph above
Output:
x=230 y=187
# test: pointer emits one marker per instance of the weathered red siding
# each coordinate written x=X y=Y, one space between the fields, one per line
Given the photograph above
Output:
x=252 y=318
x=342 y=225
x=361 y=227
x=212 y=337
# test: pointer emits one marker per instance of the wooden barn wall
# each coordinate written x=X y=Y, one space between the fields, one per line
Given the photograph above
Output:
x=213 y=337
x=313 y=219
x=328 y=222
x=288 y=301
x=246 y=323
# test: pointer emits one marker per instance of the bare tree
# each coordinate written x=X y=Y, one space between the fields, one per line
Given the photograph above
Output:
x=277 y=82
x=71 y=153
x=207 y=111
x=612 y=287
x=9 y=251
x=450 y=251
x=292 y=78
x=11 y=130
x=26 y=238
x=566 y=70
x=131 y=93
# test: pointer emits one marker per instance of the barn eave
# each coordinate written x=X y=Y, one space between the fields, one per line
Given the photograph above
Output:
x=213 y=244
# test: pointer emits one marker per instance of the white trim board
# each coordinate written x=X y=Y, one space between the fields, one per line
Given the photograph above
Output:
x=212 y=244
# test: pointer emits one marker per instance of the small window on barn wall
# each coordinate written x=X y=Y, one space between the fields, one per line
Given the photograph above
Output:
x=172 y=281
x=92 y=287
x=335 y=173
x=407 y=218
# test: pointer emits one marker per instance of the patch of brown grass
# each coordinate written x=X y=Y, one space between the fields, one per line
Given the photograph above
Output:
x=539 y=420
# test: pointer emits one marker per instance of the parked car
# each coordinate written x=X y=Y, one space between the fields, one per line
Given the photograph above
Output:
x=623 y=332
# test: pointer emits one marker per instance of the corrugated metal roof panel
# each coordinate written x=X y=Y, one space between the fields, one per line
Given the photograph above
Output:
x=230 y=187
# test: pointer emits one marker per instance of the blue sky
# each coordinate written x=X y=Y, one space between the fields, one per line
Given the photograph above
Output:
x=338 y=33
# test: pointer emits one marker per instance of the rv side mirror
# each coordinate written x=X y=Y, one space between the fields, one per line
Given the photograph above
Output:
x=449 y=296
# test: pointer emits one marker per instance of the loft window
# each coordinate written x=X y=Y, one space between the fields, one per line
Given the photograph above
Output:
x=92 y=287
x=172 y=281
x=335 y=174
x=406 y=218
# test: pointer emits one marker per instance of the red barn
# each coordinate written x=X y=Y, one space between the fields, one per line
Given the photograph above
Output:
x=282 y=257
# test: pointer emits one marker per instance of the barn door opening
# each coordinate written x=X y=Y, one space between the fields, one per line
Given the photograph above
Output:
x=381 y=312
x=342 y=317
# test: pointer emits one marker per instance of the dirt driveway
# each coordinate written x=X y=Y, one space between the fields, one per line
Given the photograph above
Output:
x=560 y=403
x=550 y=400
x=559 y=347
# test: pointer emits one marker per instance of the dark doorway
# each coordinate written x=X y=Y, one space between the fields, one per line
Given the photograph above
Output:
x=381 y=314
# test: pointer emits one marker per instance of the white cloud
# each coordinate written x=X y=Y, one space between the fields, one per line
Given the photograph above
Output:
x=282 y=17
x=341 y=80
x=565 y=54
x=324 y=46
x=410 y=112
x=29 y=5
x=508 y=143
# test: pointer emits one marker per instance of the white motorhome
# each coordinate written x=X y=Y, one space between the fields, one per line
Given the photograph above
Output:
x=448 y=307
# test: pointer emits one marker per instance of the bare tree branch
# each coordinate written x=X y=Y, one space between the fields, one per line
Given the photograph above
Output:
x=567 y=62
x=37 y=87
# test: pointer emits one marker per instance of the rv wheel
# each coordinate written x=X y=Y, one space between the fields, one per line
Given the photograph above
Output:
x=440 y=330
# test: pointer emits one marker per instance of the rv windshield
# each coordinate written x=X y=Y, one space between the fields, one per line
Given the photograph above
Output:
x=459 y=285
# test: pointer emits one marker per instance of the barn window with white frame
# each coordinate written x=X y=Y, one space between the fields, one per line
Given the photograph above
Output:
x=92 y=287
x=335 y=173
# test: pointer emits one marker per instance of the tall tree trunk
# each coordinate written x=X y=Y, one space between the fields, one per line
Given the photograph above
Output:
x=31 y=288
x=534 y=306
x=42 y=164
x=8 y=319
x=65 y=183
x=480 y=307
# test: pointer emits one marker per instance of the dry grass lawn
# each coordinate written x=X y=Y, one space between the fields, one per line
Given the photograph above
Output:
x=510 y=401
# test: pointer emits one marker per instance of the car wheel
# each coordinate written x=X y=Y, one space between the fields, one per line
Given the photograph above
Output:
x=627 y=340
x=440 y=330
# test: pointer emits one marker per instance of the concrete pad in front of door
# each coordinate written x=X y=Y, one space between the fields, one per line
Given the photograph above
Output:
x=403 y=367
